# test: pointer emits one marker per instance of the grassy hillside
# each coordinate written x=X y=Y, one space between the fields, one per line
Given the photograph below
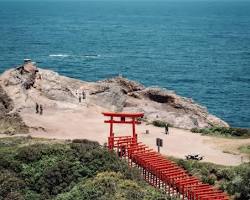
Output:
x=40 y=169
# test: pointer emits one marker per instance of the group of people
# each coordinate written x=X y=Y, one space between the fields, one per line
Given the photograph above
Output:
x=39 y=109
x=80 y=95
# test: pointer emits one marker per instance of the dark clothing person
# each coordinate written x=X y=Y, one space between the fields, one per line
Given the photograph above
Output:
x=80 y=99
x=166 y=129
x=37 y=108
x=83 y=95
x=41 y=109
x=122 y=151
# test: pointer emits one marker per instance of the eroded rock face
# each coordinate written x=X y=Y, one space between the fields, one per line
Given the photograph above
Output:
x=6 y=104
x=126 y=85
x=116 y=94
x=165 y=105
x=112 y=99
x=10 y=122
x=159 y=95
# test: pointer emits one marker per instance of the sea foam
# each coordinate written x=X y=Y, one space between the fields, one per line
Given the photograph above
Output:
x=92 y=56
x=58 y=55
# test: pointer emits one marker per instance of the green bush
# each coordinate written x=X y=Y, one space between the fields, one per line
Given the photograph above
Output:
x=235 y=132
x=86 y=142
x=195 y=130
x=8 y=162
x=52 y=170
x=57 y=178
x=14 y=196
x=111 y=185
x=234 y=180
x=245 y=149
x=209 y=179
x=10 y=184
x=159 y=123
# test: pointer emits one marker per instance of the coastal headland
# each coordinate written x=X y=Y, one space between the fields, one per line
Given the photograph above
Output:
x=44 y=104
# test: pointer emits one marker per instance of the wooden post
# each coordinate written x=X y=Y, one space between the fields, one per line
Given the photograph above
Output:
x=111 y=135
x=133 y=129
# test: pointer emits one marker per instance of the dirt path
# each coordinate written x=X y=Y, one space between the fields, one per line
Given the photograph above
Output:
x=88 y=123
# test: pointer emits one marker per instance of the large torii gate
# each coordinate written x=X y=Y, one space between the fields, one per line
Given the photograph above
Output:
x=122 y=118
x=155 y=168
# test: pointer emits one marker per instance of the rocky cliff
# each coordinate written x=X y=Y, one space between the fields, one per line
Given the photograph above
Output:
x=26 y=87
x=10 y=122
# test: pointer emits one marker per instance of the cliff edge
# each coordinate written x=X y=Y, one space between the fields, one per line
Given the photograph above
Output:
x=26 y=85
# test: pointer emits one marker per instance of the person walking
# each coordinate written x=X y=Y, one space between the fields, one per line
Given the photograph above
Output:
x=79 y=98
x=41 y=109
x=83 y=95
x=166 y=129
x=78 y=95
x=37 y=108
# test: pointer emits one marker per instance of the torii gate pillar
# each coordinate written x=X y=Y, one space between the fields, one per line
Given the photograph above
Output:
x=122 y=118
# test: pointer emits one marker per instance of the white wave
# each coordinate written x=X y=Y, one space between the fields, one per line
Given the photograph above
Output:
x=58 y=55
x=92 y=56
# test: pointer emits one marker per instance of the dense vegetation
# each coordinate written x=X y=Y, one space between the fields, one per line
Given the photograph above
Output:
x=224 y=131
x=41 y=169
x=233 y=180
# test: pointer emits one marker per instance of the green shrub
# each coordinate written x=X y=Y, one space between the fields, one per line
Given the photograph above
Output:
x=245 y=149
x=159 y=123
x=35 y=152
x=225 y=173
x=9 y=183
x=186 y=165
x=55 y=179
x=86 y=142
x=235 y=132
x=8 y=162
x=233 y=180
x=195 y=130
x=110 y=185
x=47 y=171
x=209 y=179
x=32 y=195
x=14 y=196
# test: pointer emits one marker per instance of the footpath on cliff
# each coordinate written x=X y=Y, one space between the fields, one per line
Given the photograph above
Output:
x=73 y=109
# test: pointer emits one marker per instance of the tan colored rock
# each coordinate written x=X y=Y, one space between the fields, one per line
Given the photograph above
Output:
x=30 y=68
x=10 y=121
x=116 y=94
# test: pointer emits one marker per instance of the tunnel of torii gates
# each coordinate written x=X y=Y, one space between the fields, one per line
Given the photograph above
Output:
x=155 y=168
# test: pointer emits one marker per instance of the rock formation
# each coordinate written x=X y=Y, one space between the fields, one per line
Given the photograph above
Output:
x=10 y=122
x=26 y=87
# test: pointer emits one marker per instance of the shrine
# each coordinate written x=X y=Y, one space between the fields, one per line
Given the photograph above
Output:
x=155 y=168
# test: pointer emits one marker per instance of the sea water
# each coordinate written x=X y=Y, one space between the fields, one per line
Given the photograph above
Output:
x=200 y=49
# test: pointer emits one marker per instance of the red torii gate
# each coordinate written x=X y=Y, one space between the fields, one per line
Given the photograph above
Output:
x=122 y=118
x=156 y=169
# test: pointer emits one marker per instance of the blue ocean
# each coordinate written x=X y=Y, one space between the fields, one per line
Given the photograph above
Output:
x=200 y=49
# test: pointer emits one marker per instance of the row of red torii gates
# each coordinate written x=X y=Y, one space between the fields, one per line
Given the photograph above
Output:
x=156 y=169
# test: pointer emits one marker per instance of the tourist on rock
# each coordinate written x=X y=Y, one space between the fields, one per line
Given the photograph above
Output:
x=37 y=108
x=83 y=95
x=41 y=109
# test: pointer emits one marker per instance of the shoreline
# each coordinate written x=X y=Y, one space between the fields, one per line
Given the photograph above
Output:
x=64 y=117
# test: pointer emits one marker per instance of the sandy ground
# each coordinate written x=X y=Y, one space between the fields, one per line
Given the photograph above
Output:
x=88 y=122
